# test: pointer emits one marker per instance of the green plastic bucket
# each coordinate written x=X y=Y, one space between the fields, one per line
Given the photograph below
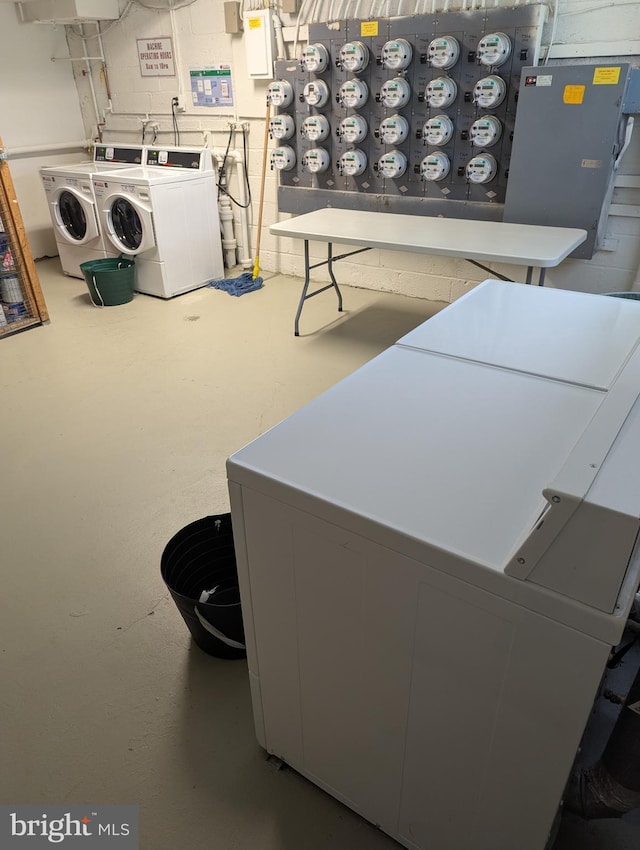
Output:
x=110 y=281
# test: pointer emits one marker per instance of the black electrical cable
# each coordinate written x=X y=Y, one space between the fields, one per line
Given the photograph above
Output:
x=176 y=131
x=222 y=174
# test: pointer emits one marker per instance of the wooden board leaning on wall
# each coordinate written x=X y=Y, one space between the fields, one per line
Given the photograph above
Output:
x=35 y=308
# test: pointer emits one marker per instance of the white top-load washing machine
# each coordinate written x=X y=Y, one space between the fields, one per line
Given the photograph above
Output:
x=435 y=558
x=72 y=204
x=165 y=215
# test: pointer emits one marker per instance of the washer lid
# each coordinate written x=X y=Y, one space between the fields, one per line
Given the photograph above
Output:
x=158 y=176
x=569 y=336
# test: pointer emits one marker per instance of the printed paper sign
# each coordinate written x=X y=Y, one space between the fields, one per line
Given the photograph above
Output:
x=156 y=57
x=369 y=28
x=606 y=76
x=573 y=94
x=212 y=86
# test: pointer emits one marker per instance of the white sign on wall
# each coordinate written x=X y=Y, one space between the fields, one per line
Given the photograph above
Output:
x=211 y=86
x=156 y=57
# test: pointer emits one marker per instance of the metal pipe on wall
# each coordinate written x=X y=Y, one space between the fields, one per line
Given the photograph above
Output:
x=53 y=147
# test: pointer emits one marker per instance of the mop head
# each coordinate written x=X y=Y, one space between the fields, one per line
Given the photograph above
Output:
x=238 y=285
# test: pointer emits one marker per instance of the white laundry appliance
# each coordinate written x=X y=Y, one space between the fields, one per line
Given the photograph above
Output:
x=165 y=214
x=435 y=558
x=72 y=204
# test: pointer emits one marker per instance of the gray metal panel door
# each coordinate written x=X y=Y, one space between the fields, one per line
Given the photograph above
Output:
x=565 y=143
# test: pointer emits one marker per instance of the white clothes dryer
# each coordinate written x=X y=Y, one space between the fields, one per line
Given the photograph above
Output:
x=72 y=204
x=166 y=216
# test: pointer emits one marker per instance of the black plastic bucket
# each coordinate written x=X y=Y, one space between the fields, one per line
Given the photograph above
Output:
x=200 y=558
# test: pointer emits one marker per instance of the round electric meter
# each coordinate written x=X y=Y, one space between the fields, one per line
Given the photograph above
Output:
x=489 y=92
x=395 y=93
x=437 y=130
x=316 y=128
x=316 y=93
x=482 y=168
x=315 y=58
x=280 y=93
x=353 y=163
x=282 y=127
x=353 y=129
x=316 y=160
x=283 y=158
x=354 y=56
x=394 y=130
x=443 y=52
x=353 y=94
x=441 y=92
x=485 y=131
x=397 y=54
x=494 y=49
x=392 y=165
x=435 y=166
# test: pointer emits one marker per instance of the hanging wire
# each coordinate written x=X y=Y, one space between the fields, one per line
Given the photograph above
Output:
x=222 y=172
x=176 y=129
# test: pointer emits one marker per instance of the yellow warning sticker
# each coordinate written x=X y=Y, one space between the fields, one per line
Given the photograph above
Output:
x=369 y=28
x=573 y=94
x=606 y=76
x=255 y=23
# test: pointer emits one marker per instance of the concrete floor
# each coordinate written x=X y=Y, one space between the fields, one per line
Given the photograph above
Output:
x=115 y=428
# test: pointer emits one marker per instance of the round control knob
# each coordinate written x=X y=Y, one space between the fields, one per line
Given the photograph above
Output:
x=280 y=93
x=494 y=49
x=354 y=56
x=315 y=58
x=485 y=131
x=441 y=92
x=392 y=165
x=394 y=130
x=283 y=158
x=437 y=130
x=316 y=160
x=315 y=128
x=395 y=93
x=316 y=93
x=443 y=53
x=353 y=129
x=435 y=166
x=353 y=163
x=489 y=92
x=282 y=127
x=353 y=94
x=481 y=169
x=397 y=54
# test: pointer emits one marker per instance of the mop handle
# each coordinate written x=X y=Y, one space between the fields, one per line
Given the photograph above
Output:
x=256 y=267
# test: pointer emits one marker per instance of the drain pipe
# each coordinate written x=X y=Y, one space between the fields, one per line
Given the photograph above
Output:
x=229 y=243
x=611 y=787
x=244 y=244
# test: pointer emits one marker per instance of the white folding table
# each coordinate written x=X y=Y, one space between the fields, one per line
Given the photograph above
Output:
x=527 y=245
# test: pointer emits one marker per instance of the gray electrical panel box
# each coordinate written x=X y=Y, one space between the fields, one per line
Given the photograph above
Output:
x=410 y=114
x=569 y=130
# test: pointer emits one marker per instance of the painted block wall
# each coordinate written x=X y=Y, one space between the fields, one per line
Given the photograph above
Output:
x=583 y=29
x=38 y=106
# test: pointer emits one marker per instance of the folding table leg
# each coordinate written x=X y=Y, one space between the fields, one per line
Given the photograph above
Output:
x=304 y=288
